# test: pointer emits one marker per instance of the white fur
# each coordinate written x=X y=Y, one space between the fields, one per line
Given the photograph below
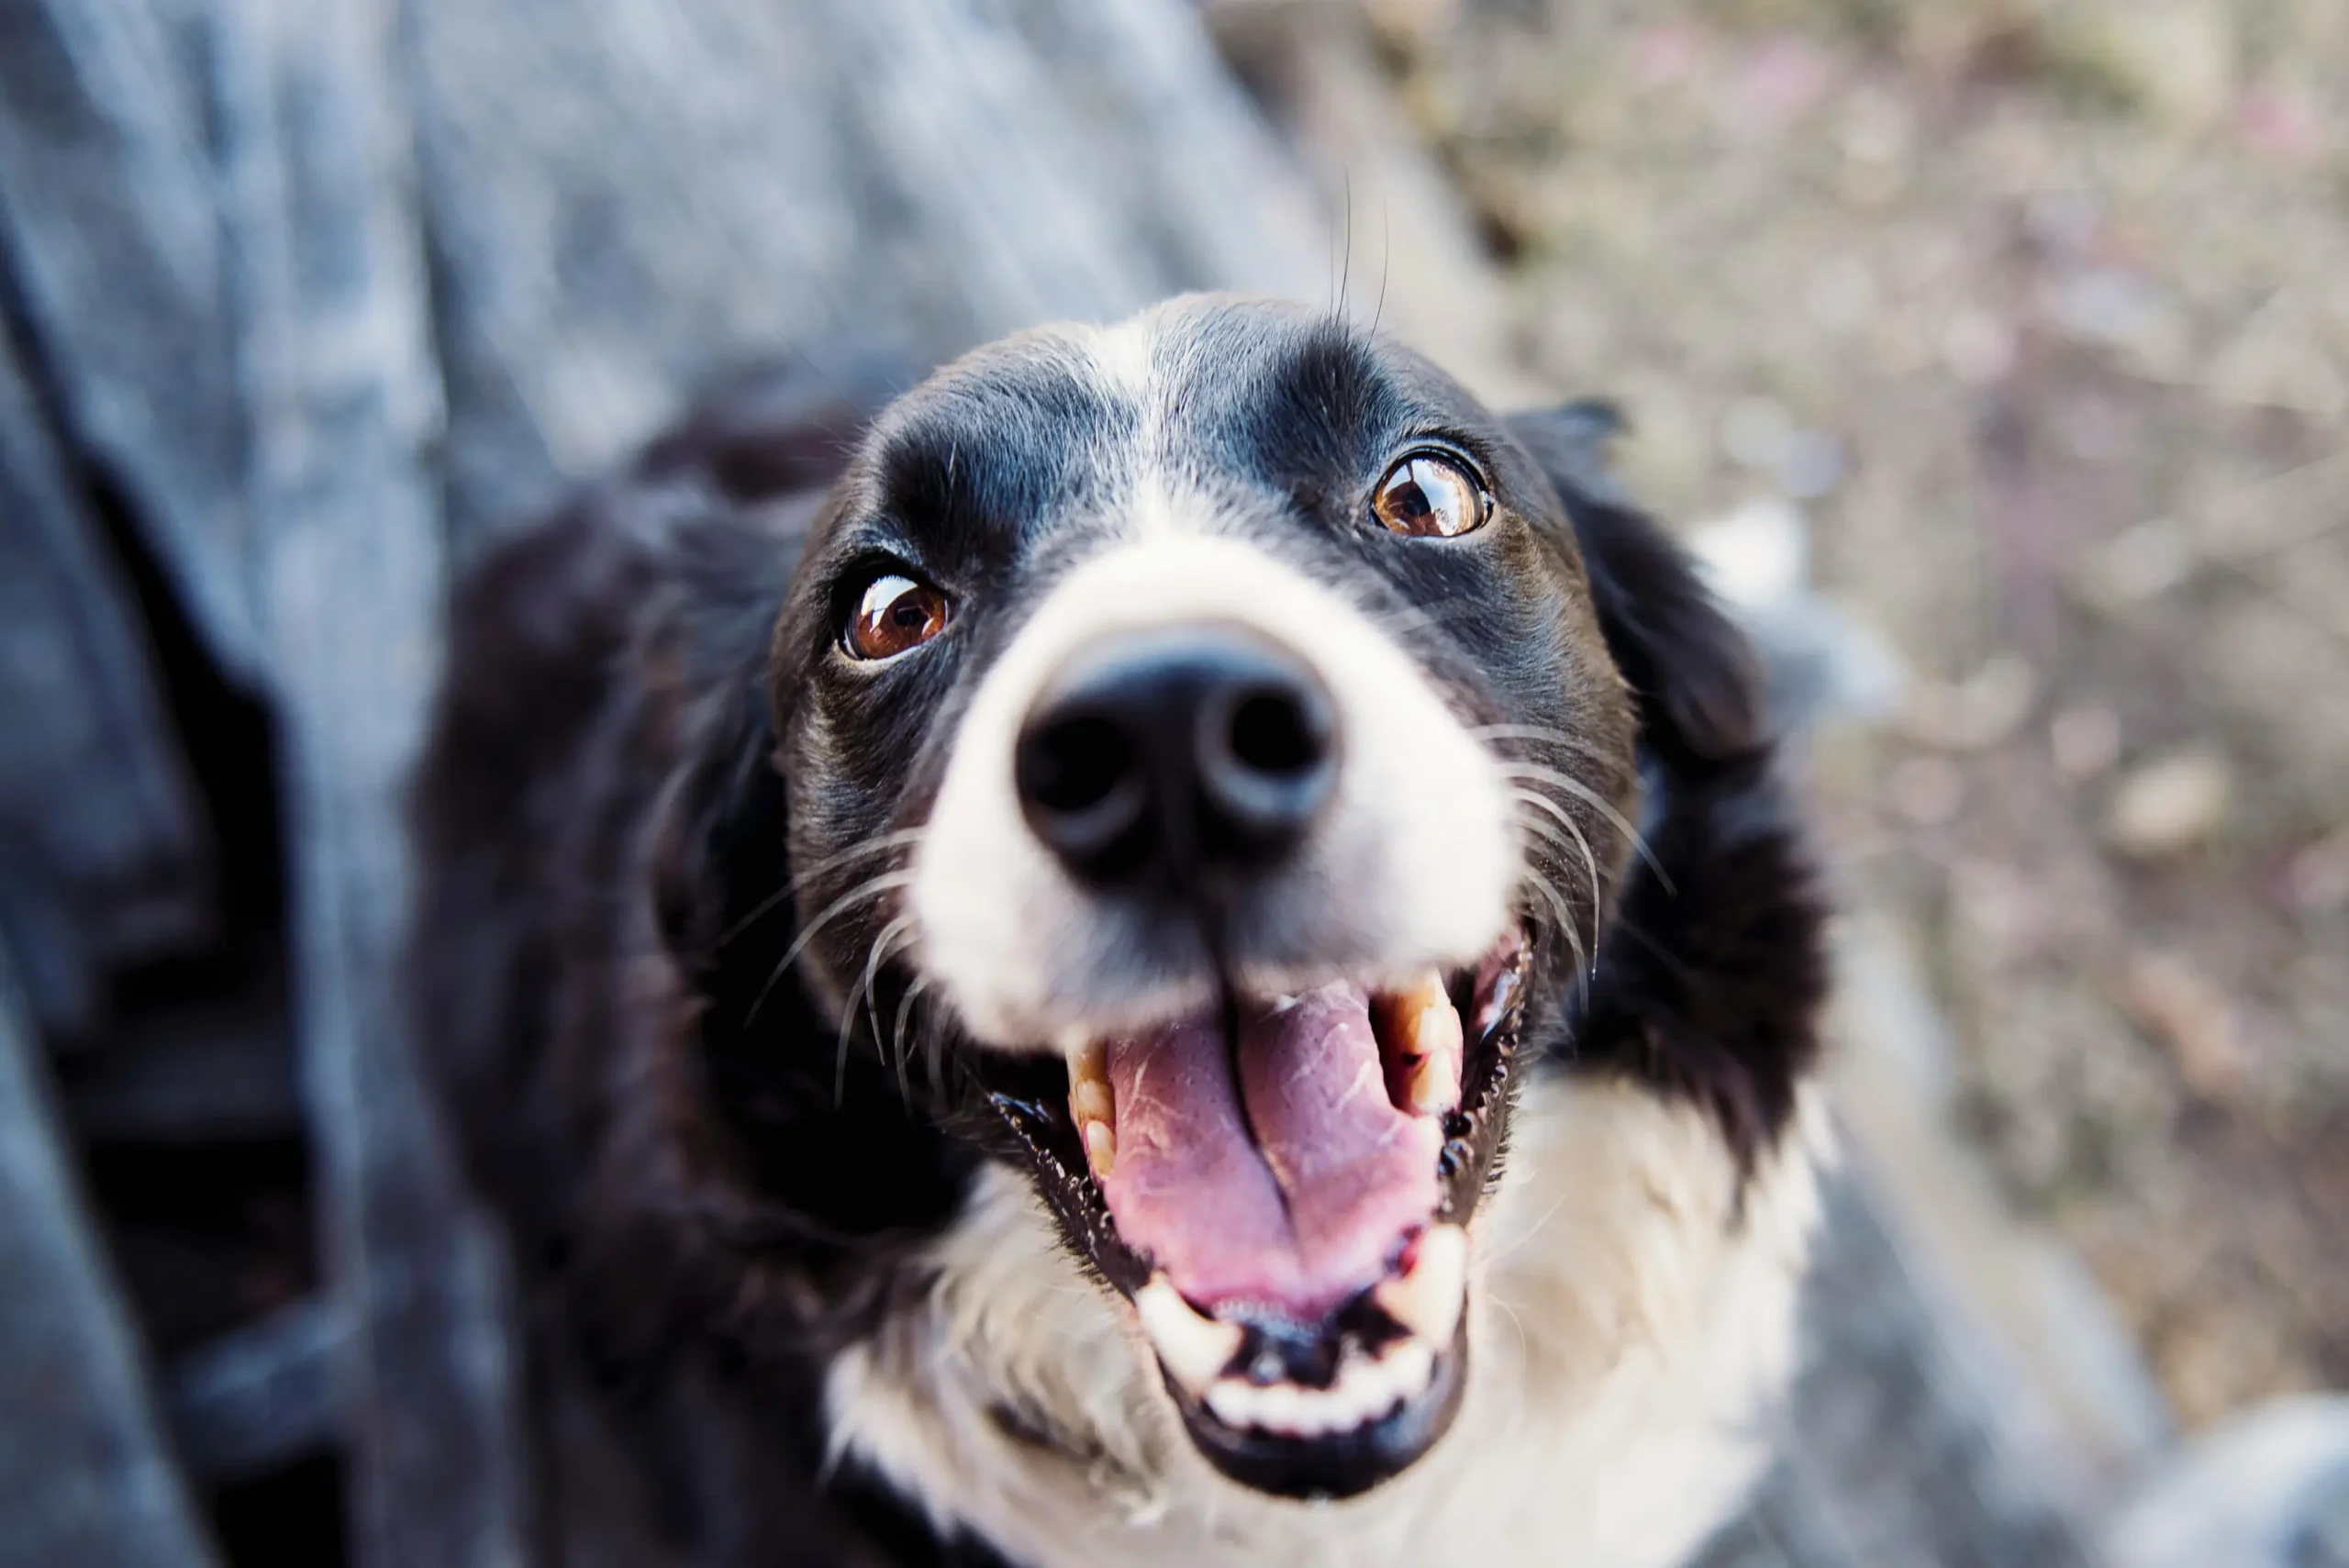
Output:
x=1630 y=1326
x=1386 y=887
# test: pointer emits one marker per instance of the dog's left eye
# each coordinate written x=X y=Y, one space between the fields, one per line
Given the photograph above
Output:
x=1430 y=496
x=896 y=615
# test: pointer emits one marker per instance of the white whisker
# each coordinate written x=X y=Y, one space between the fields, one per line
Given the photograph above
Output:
x=882 y=944
x=766 y=906
x=873 y=887
x=1540 y=802
x=897 y=1033
x=1543 y=734
x=1597 y=802
x=1560 y=907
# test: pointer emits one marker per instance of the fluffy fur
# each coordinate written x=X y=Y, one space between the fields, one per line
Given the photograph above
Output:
x=800 y=1263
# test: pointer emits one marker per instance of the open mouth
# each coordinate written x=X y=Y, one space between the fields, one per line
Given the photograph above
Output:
x=1284 y=1197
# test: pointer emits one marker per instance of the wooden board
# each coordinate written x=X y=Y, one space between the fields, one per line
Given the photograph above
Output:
x=336 y=372
x=90 y=1482
x=625 y=200
x=106 y=843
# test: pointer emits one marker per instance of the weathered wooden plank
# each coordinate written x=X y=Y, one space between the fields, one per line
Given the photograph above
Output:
x=90 y=1479
x=204 y=1068
x=261 y=1396
x=336 y=375
x=624 y=199
x=115 y=252
x=106 y=850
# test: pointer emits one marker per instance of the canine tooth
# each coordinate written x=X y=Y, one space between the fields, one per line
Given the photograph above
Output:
x=1194 y=1348
x=1093 y=1104
x=1100 y=1147
x=1091 y=1101
x=1433 y=1023
x=1423 y=1031
x=1428 y=1299
x=1411 y=1370
x=1375 y=1390
x=1433 y=1090
x=1088 y=1063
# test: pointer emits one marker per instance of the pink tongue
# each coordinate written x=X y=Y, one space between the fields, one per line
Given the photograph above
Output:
x=1309 y=1211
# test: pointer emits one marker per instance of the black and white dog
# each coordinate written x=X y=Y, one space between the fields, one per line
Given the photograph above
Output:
x=1197 y=959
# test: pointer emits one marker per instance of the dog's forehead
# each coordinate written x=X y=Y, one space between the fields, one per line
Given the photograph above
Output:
x=1203 y=391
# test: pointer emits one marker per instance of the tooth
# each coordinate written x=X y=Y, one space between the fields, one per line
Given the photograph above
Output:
x=1088 y=1063
x=1433 y=1088
x=1100 y=1147
x=1194 y=1348
x=1280 y=1407
x=1231 y=1402
x=1423 y=1031
x=1091 y=1101
x=1413 y=1369
x=1093 y=1104
x=1410 y=1368
x=1428 y=1299
x=1435 y=1025
x=1356 y=1393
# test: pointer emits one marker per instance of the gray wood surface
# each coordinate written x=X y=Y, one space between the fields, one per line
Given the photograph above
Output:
x=90 y=1482
x=118 y=267
x=105 y=842
x=206 y=1071
x=261 y=1396
x=336 y=376
x=624 y=199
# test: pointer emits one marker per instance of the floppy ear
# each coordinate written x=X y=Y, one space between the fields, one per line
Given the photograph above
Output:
x=1688 y=665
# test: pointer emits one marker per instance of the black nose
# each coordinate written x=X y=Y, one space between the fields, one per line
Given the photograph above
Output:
x=1177 y=752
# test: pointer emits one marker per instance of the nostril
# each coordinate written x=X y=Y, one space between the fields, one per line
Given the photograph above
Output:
x=1274 y=733
x=1266 y=764
x=1082 y=783
x=1075 y=764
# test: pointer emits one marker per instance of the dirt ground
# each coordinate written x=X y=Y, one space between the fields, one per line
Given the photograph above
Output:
x=2040 y=313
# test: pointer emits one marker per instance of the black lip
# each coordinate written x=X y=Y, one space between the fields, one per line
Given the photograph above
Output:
x=1341 y=1464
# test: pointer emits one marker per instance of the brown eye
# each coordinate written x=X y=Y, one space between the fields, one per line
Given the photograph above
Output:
x=895 y=616
x=1430 y=496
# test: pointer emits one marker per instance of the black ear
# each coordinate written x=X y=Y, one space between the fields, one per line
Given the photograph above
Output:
x=1697 y=685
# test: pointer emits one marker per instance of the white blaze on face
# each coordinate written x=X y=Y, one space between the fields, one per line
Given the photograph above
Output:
x=1411 y=864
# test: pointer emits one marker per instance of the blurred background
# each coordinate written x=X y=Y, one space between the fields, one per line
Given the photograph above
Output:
x=1993 y=354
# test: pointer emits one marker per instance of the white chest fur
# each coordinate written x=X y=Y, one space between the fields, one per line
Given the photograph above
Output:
x=1630 y=1327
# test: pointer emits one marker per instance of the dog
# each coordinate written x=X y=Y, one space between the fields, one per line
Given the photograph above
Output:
x=1181 y=947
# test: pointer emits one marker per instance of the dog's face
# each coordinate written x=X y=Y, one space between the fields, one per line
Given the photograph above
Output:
x=1201 y=744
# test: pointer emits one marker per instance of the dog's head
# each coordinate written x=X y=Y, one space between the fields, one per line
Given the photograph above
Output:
x=1205 y=750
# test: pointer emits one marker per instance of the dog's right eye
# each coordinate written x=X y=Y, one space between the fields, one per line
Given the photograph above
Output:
x=1431 y=495
x=896 y=615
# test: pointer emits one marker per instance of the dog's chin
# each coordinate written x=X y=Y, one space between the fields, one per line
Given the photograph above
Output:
x=1334 y=1464
x=1280 y=1191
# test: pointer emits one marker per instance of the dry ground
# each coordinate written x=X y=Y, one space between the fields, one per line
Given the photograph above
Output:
x=2042 y=312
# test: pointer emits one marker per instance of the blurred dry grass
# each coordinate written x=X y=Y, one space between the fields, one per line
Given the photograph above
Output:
x=2041 y=308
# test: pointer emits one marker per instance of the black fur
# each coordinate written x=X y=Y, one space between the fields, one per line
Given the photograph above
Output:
x=646 y=732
